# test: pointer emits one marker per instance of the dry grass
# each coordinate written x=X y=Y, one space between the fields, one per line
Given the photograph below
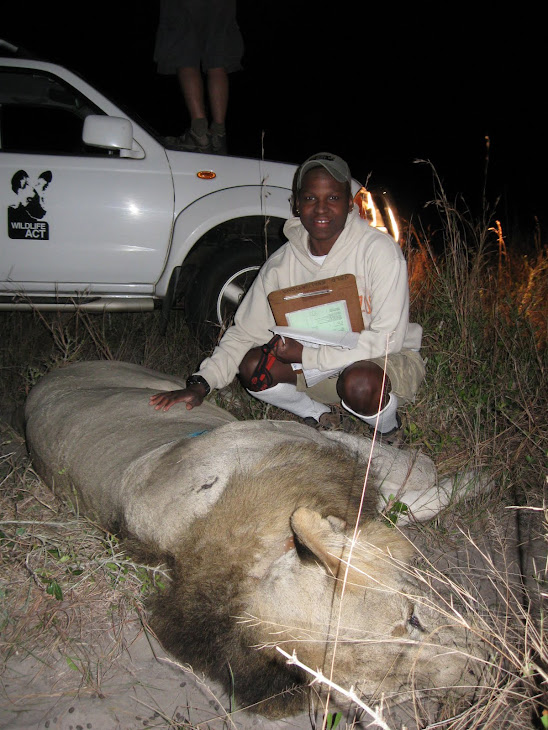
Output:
x=67 y=590
x=502 y=598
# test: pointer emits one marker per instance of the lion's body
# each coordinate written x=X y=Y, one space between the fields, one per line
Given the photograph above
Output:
x=256 y=518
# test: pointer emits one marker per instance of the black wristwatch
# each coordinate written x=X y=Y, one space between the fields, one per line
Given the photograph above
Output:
x=198 y=380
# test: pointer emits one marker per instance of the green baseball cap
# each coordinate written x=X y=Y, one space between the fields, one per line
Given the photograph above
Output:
x=334 y=165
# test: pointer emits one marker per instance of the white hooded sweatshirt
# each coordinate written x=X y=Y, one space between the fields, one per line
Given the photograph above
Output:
x=380 y=269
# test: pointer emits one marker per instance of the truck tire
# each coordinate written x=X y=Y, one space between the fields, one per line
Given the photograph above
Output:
x=218 y=287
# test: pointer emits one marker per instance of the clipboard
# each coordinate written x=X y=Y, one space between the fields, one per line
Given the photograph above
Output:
x=314 y=293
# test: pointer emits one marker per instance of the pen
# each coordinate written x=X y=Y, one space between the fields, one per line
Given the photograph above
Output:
x=300 y=295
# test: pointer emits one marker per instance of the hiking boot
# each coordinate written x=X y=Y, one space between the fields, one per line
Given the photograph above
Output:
x=189 y=141
x=217 y=135
x=193 y=142
x=395 y=437
x=328 y=422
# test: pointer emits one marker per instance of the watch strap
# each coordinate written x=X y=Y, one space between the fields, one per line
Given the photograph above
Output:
x=198 y=380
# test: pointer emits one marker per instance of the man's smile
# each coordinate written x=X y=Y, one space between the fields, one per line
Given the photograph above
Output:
x=324 y=204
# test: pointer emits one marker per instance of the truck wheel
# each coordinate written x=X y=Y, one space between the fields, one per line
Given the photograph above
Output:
x=218 y=288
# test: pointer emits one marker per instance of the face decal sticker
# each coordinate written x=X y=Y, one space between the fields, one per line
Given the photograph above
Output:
x=26 y=217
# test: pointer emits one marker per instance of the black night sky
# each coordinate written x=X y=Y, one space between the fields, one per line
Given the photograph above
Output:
x=380 y=86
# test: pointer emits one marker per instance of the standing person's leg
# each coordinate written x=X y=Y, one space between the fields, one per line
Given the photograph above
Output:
x=180 y=40
x=192 y=86
x=222 y=56
x=217 y=83
x=218 y=91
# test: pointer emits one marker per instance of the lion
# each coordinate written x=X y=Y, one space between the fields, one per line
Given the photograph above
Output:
x=271 y=538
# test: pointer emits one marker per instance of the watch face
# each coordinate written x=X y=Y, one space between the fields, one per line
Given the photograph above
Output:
x=199 y=380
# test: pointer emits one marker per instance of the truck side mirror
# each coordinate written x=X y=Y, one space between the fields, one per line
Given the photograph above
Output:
x=108 y=132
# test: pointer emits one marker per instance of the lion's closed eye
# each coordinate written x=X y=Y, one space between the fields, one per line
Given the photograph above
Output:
x=415 y=623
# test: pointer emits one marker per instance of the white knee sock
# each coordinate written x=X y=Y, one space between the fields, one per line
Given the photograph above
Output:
x=386 y=417
x=286 y=396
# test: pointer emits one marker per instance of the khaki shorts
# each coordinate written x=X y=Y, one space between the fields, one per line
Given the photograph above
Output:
x=405 y=369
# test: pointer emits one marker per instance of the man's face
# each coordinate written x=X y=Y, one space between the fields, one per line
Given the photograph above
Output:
x=323 y=204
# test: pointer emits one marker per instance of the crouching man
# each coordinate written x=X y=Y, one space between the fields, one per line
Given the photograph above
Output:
x=326 y=238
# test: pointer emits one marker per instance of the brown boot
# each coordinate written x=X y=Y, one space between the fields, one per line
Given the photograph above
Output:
x=328 y=421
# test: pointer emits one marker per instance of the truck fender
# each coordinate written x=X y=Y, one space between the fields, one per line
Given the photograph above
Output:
x=222 y=206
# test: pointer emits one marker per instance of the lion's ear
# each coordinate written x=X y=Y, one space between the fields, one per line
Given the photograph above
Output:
x=321 y=538
x=379 y=554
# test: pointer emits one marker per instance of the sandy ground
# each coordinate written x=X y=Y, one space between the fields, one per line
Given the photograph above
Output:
x=88 y=660
x=139 y=687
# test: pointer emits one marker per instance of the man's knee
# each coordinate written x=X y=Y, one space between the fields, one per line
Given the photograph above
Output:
x=360 y=386
x=276 y=371
x=248 y=366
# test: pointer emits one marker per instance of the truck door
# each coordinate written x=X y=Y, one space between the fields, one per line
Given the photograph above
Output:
x=75 y=217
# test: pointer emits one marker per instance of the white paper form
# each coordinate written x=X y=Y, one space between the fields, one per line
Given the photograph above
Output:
x=315 y=338
x=326 y=324
x=331 y=317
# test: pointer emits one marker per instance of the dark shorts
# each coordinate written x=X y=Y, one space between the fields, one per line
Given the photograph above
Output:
x=405 y=369
x=199 y=33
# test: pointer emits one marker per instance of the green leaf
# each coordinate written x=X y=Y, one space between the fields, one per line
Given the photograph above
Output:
x=333 y=720
x=54 y=589
x=397 y=509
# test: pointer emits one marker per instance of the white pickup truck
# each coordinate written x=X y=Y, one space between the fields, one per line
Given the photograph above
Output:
x=98 y=213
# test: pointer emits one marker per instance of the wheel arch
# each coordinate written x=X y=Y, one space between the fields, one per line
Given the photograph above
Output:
x=247 y=210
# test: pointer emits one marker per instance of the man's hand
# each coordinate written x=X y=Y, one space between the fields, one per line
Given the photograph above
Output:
x=193 y=397
x=288 y=351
